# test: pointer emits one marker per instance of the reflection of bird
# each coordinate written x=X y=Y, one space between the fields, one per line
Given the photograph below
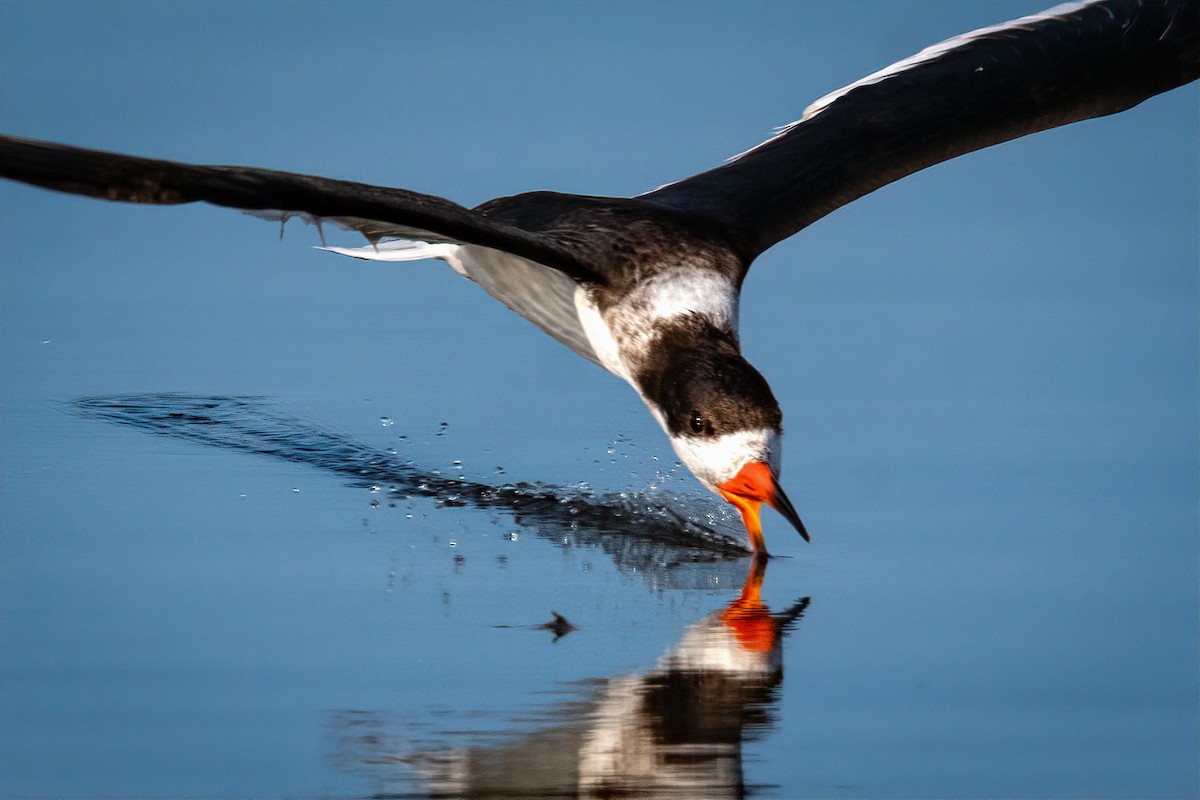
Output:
x=648 y=287
x=674 y=731
x=560 y=626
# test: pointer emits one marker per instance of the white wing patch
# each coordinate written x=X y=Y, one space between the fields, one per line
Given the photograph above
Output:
x=540 y=294
x=404 y=250
x=374 y=230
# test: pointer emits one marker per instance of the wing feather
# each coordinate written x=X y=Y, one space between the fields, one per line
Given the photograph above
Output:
x=1067 y=64
x=546 y=297
x=376 y=211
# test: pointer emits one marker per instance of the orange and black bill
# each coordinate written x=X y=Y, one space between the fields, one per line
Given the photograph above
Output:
x=754 y=485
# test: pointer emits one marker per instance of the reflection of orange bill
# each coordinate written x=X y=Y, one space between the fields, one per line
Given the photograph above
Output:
x=747 y=618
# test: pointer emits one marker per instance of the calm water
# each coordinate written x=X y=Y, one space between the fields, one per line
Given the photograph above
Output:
x=274 y=523
x=235 y=594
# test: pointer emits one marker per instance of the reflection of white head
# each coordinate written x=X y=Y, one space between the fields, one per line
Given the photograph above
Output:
x=711 y=646
x=624 y=747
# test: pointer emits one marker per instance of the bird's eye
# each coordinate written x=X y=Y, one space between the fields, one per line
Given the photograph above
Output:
x=697 y=422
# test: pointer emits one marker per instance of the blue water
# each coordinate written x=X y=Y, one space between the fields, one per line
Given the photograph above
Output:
x=275 y=523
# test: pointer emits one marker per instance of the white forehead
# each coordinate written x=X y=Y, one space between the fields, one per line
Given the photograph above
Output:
x=715 y=460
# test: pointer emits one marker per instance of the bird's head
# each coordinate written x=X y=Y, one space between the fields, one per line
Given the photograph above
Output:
x=726 y=427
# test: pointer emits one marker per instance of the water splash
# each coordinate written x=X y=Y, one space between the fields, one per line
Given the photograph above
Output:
x=642 y=530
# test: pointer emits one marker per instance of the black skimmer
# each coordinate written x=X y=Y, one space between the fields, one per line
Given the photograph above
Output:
x=647 y=287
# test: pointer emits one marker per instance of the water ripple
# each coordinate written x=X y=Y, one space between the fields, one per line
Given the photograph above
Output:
x=640 y=531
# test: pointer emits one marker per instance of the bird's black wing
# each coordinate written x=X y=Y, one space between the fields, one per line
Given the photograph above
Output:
x=376 y=211
x=1064 y=65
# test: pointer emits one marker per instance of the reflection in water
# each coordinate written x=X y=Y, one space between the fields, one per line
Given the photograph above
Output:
x=675 y=731
x=639 y=531
x=560 y=626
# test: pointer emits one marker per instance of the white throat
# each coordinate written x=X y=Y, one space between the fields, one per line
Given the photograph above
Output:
x=717 y=459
